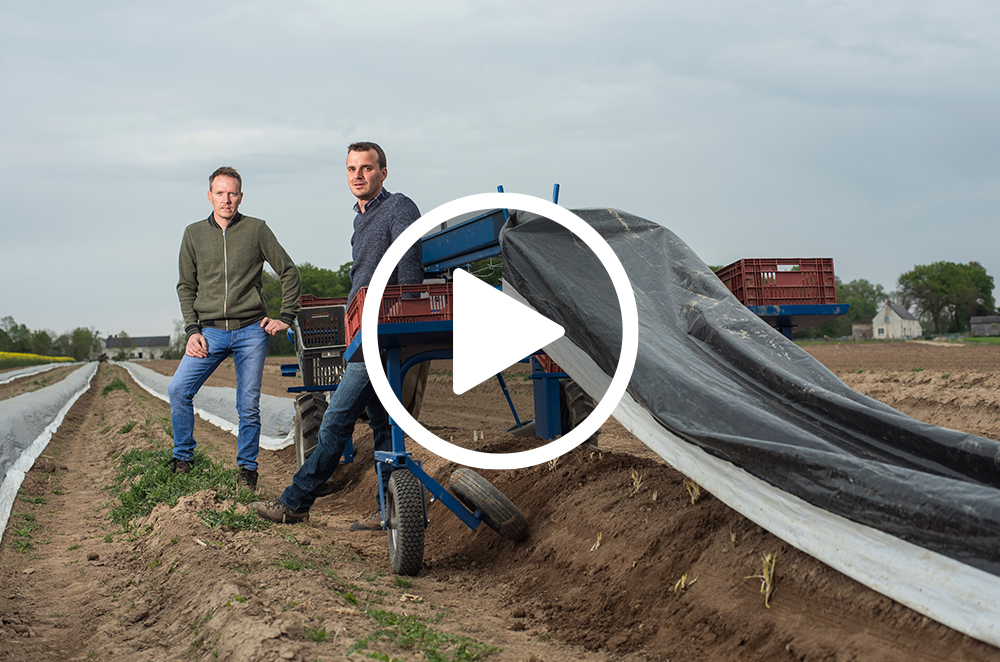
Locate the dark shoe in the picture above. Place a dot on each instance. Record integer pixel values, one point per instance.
(247, 479)
(276, 511)
(373, 523)
(180, 466)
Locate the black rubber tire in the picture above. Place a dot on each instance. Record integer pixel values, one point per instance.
(404, 510)
(574, 407)
(309, 410)
(499, 513)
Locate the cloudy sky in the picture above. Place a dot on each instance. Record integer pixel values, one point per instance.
(860, 130)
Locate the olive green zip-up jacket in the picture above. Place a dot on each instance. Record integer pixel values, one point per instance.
(220, 274)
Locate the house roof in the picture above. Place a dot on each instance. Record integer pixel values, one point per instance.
(993, 319)
(138, 341)
(902, 312)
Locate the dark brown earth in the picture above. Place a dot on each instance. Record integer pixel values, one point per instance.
(158, 593)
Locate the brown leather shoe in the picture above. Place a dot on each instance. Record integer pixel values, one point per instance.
(180, 466)
(276, 511)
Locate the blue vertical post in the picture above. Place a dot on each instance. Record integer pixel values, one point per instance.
(500, 190)
(555, 194)
(548, 421)
(394, 374)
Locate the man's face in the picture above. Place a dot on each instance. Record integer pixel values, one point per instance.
(363, 174)
(225, 197)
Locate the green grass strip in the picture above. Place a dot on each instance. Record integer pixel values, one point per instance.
(413, 633)
(143, 478)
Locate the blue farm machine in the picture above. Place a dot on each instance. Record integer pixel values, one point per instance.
(415, 327)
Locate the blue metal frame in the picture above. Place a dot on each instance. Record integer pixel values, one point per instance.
(457, 246)
(548, 422)
(787, 318)
(395, 370)
(463, 243)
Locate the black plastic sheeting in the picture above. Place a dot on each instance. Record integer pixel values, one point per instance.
(717, 376)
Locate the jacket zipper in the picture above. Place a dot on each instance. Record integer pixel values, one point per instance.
(225, 262)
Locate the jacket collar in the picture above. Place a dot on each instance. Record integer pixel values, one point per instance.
(236, 219)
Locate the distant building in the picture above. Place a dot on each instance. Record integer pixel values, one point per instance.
(894, 322)
(861, 331)
(145, 348)
(985, 326)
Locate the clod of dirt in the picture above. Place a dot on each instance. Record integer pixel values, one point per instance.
(93, 556)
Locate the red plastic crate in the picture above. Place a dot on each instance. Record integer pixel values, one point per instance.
(428, 302)
(761, 282)
(548, 365)
(309, 301)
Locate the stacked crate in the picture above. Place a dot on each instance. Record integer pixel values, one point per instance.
(320, 340)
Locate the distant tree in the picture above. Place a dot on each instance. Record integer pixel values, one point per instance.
(178, 342)
(83, 343)
(325, 283)
(63, 345)
(125, 347)
(18, 335)
(41, 342)
(947, 294)
(865, 300)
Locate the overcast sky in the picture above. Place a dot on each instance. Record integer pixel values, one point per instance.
(859, 130)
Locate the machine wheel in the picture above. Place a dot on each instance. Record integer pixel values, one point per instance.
(309, 410)
(576, 405)
(498, 511)
(414, 385)
(404, 509)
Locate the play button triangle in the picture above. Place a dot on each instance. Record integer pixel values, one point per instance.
(492, 331)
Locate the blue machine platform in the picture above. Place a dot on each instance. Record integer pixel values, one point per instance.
(800, 316)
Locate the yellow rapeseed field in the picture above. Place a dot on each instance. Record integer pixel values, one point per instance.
(18, 359)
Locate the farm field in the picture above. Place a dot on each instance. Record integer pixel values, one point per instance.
(596, 579)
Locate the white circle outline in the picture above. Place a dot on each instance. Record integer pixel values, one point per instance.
(626, 301)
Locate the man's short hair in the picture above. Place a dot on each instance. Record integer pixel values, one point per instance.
(225, 171)
(367, 147)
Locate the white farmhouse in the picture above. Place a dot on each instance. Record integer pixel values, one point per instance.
(894, 322)
(137, 347)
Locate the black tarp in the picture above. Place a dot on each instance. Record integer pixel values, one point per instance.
(717, 376)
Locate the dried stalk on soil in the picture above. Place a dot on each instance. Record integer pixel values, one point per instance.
(693, 490)
(596, 544)
(766, 578)
(683, 583)
(636, 483)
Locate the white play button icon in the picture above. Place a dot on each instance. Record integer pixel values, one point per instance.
(492, 331)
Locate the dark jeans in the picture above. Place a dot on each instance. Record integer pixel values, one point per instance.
(354, 395)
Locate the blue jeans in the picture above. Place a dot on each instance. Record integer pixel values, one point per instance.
(248, 347)
(354, 395)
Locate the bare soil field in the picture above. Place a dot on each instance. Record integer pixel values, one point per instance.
(596, 579)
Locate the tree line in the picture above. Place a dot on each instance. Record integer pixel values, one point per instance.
(944, 296)
(80, 343)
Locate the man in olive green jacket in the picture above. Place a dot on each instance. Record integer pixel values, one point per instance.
(221, 261)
